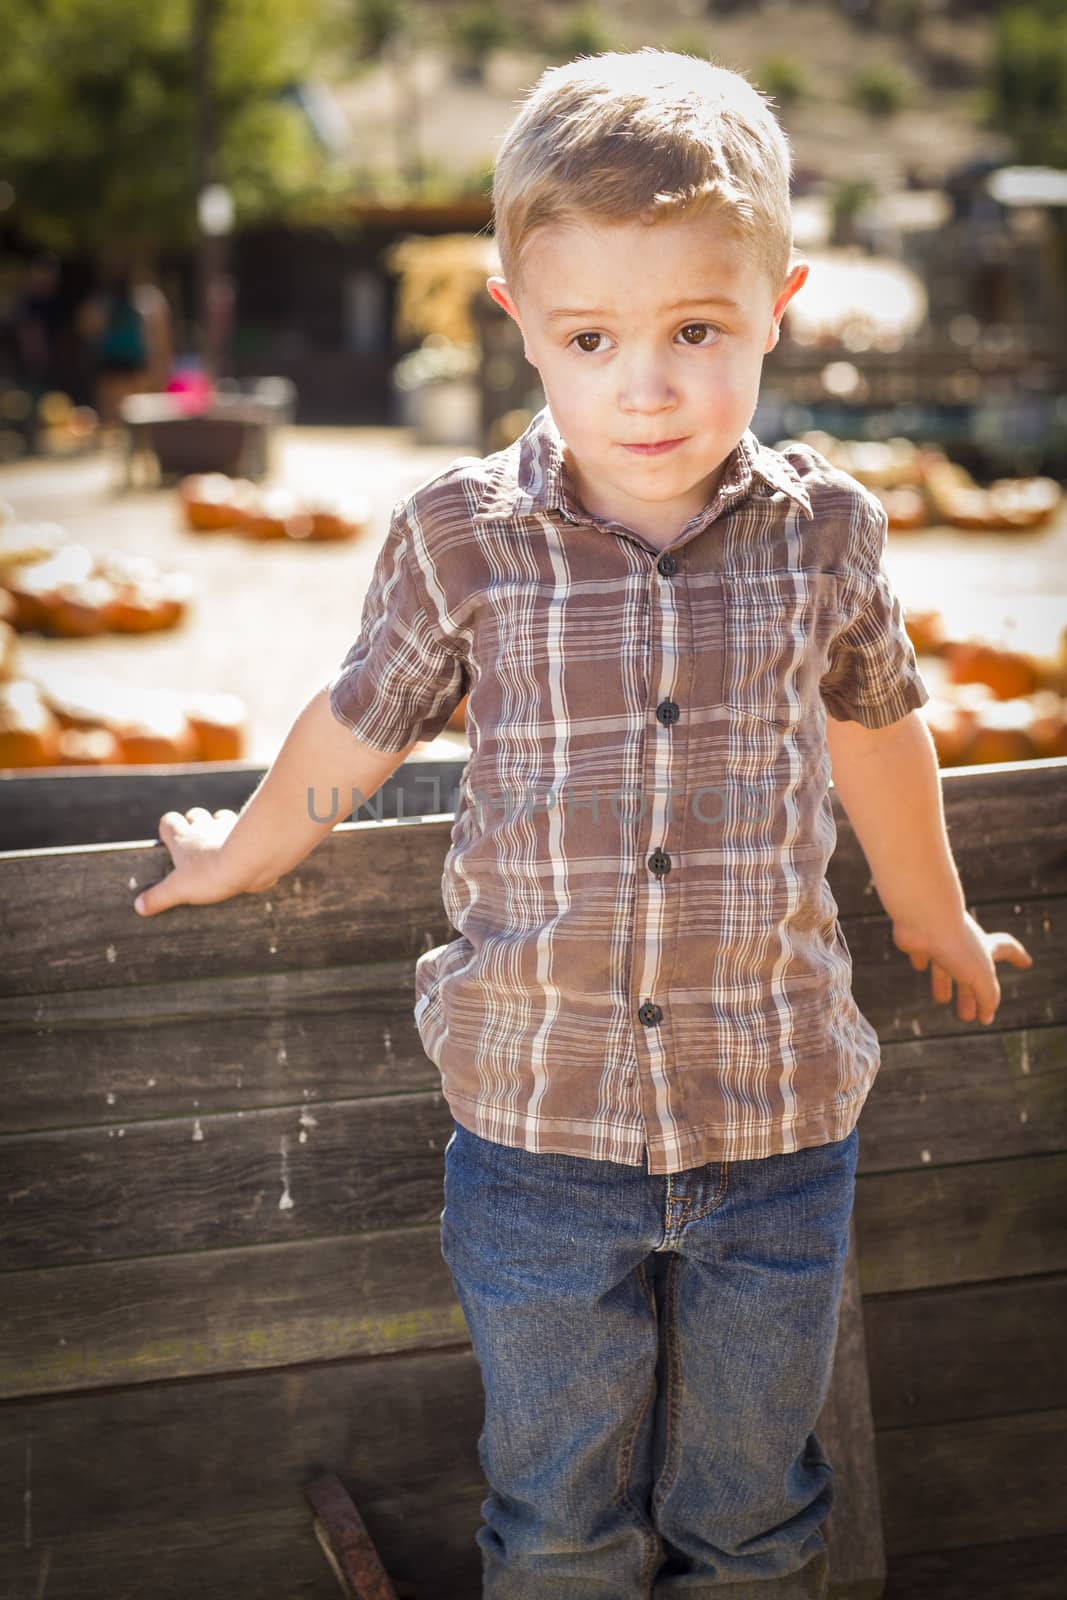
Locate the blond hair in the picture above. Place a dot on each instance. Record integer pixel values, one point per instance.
(647, 132)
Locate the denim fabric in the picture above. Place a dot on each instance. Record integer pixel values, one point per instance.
(655, 1351)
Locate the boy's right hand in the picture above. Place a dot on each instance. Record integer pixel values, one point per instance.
(195, 839)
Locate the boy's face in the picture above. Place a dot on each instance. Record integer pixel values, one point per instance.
(631, 329)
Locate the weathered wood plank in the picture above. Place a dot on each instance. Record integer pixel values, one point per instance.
(43, 810)
(968, 1224)
(214, 1183)
(939, 1101)
(897, 999)
(962, 1162)
(156, 1489)
(391, 871)
(39, 810)
(271, 1558)
(971, 1350)
(1019, 1569)
(370, 891)
(284, 1173)
(983, 1481)
(853, 1530)
(141, 1321)
(933, 1356)
(102, 943)
(150, 1440)
(998, 858)
(115, 1056)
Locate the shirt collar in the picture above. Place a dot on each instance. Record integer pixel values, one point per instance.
(533, 477)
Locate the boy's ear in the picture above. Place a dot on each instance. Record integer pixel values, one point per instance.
(498, 288)
(796, 280)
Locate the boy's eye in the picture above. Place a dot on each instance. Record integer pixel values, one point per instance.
(589, 349)
(699, 329)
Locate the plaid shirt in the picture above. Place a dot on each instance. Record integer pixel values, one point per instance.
(649, 968)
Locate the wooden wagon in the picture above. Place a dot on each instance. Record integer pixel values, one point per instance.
(221, 1161)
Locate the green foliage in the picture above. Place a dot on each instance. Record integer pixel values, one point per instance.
(784, 78)
(1028, 80)
(583, 33)
(880, 89)
(690, 43)
(904, 15)
(377, 23)
(477, 29)
(848, 198)
(475, 183)
(96, 103)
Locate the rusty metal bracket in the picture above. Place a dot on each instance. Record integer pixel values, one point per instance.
(346, 1544)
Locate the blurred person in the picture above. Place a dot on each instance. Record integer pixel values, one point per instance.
(36, 319)
(129, 326)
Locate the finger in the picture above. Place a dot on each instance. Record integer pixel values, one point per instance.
(990, 1000)
(172, 821)
(198, 814)
(159, 897)
(966, 1003)
(1005, 947)
(940, 984)
(919, 960)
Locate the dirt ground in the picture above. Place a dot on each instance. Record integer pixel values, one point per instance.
(271, 622)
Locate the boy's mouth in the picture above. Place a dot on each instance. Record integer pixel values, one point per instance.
(654, 449)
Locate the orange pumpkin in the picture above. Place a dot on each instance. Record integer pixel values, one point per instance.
(29, 733)
(1008, 673)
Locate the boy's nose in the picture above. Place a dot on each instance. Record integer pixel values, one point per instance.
(646, 388)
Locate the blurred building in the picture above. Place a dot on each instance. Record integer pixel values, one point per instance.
(984, 370)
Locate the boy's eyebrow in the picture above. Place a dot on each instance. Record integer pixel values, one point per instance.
(678, 305)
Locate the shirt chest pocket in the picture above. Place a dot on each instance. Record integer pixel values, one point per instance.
(777, 631)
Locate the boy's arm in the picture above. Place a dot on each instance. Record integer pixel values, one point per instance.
(889, 783)
(216, 857)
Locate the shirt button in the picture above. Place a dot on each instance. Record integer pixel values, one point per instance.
(650, 1014)
(667, 712)
(659, 861)
(667, 565)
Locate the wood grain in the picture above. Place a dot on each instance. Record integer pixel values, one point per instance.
(220, 1269)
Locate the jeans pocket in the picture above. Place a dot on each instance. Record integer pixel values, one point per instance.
(449, 1147)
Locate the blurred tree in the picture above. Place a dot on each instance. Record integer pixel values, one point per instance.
(475, 31)
(880, 89)
(384, 31)
(377, 23)
(582, 33)
(690, 42)
(97, 107)
(1027, 94)
(848, 199)
(904, 16)
(783, 77)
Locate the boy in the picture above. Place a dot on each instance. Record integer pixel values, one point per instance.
(645, 1029)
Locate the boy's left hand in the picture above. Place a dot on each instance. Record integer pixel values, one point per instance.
(966, 953)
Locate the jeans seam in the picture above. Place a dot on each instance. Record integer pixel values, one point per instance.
(677, 1217)
(662, 1490)
(719, 1197)
(625, 1464)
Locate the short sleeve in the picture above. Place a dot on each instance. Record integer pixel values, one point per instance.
(400, 681)
(873, 676)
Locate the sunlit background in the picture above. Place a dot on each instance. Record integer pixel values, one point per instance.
(243, 246)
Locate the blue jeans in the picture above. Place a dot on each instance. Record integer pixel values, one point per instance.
(655, 1351)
